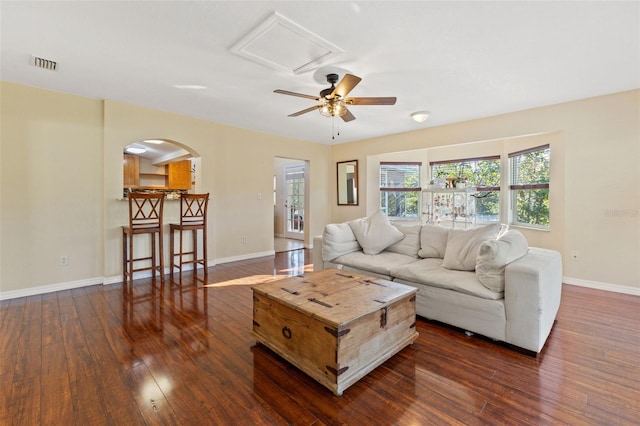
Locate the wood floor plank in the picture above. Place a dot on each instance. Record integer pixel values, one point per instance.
(56, 405)
(28, 352)
(88, 401)
(51, 327)
(12, 327)
(117, 395)
(153, 405)
(185, 355)
(25, 403)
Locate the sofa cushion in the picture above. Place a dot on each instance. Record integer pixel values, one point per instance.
(433, 241)
(410, 244)
(494, 255)
(430, 272)
(380, 263)
(463, 245)
(375, 233)
(338, 239)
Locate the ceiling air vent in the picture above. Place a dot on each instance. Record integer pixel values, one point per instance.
(43, 63)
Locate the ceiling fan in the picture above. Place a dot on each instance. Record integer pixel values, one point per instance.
(334, 100)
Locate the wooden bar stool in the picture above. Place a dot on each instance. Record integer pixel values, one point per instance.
(145, 217)
(193, 217)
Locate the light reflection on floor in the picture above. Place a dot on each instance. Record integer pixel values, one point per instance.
(288, 264)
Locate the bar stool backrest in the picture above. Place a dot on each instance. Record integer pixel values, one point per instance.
(145, 210)
(193, 209)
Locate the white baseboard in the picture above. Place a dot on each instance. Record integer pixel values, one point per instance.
(50, 288)
(246, 256)
(602, 286)
(116, 279)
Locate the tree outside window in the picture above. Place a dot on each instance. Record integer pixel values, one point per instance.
(400, 189)
(529, 175)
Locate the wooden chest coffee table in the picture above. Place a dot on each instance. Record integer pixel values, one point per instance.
(335, 326)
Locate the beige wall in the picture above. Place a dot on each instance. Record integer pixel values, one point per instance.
(595, 204)
(61, 181)
(61, 162)
(51, 188)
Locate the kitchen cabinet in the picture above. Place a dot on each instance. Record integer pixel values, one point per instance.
(131, 170)
(179, 175)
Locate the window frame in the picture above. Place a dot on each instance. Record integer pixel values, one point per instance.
(515, 187)
(387, 189)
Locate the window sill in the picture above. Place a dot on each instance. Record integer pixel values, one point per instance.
(529, 227)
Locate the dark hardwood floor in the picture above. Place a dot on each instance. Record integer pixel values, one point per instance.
(186, 357)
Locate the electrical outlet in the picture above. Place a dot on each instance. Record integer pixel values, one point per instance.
(575, 255)
(245, 239)
(64, 260)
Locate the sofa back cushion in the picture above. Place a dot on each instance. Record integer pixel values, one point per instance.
(410, 244)
(375, 233)
(463, 246)
(433, 241)
(338, 239)
(494, 255)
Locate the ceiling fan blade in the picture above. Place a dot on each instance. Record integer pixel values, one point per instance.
(304, 111)
(371, 101)
(348, 116)
(346, 85)
(300, 95)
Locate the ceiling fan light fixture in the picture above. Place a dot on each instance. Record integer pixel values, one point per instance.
(333, 108)
(420, 116)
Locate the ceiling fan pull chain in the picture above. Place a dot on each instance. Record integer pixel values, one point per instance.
(333, 127)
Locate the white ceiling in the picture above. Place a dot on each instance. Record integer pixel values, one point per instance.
(458, 60)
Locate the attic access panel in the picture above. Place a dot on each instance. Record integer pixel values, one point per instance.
(281, 44)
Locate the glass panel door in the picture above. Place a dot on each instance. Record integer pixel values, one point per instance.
(294, 202)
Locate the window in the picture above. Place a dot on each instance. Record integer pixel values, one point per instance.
(483, 173)
(529, 177)
(400, 189)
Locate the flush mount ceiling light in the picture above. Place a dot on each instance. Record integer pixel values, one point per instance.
(420, 116)
(189, 86)
(135, 150)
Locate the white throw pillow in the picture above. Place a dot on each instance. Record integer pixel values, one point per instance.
(463, 245)
(338, 239)
(410, 244)
(375, 233)
(433, 241)
(495, 255)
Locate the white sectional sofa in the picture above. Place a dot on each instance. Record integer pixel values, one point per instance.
(484, 280)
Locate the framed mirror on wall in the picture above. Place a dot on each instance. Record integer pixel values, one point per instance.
(347, 183)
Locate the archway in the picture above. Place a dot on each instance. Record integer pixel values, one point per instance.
(160, 164)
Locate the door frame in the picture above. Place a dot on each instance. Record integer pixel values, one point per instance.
(280, 163)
